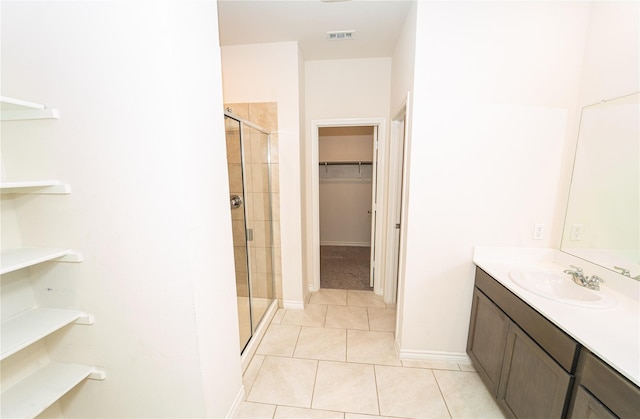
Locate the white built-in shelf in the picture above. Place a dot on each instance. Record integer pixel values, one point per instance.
(16, 109)
(29, 327)
(31, 396)
(14, 259)
(35, 187)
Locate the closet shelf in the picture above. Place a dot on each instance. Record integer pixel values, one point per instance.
(14, 259)
(33, 325)
(31, 396)
(17, 109)
(345, 163)
(35, 187)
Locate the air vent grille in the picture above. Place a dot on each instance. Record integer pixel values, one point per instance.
(340, 35)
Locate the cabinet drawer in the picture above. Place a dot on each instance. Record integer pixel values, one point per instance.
(554, 341)
(616, 392)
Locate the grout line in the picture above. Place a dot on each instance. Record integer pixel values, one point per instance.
(315, 380)
(441, 393)
(375, 378)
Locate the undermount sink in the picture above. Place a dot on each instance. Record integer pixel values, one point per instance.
(559, 287)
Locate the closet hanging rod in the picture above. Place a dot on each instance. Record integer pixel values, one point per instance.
(332, 163)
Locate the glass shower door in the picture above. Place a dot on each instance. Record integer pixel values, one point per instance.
(238, 219)
(248, 159)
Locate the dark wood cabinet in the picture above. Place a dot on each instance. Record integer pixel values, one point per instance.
(606, 387)
(523, 359)
(587, 406)
(533, 368)
(532, 384)
(487, 339)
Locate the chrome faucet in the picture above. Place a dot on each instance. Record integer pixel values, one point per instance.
(593, 282)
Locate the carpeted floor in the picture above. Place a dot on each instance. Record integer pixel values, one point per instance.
(345, 267)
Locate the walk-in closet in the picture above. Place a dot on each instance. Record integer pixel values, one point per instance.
(345, 189)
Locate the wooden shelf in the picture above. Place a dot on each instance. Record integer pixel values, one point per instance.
(33, 325)
(35, 187)
(31, 396)
(14, 259)
(16, 109)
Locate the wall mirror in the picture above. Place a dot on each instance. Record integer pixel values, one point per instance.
(602, 223)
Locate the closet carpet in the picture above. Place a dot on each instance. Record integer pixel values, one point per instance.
(345, 267)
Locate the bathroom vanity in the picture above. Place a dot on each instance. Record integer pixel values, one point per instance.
(542, 358)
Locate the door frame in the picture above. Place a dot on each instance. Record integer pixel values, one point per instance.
(316, 124)
(396, 202)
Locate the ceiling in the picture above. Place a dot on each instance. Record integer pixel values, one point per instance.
(377, 24)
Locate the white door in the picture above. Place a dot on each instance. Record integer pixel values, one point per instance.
(396, 198)
(374, 200)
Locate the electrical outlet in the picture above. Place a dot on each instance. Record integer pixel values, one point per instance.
(538, 232)
(576, 232)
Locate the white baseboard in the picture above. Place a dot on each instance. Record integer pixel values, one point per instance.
(293, 304)
(354, 244)
(418, 355)
(236, 403)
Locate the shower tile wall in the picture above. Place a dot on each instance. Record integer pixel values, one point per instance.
(256, 171)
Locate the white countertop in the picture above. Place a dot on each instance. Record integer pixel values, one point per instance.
(613, 334)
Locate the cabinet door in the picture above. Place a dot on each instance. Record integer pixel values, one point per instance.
(532, 384)
(487, 337)
(588, 407)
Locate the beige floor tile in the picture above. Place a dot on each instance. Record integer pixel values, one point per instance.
(357, 416)
(466, 396)
(250, 410)
(382, 319)
(299, 413)
(280, 340)
(409, 392)
(312, 315)
(329, 297)
(372, 348)
(466, 366)
(433, 365)
(345, 387)
(284, 381)
(364, 299)
(251, 373)
(323, 344)
(345, 317)
(277, 318)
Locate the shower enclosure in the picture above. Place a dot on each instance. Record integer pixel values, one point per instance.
(250, 178)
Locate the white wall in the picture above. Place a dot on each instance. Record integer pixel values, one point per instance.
(494, 101)
(140, 138)
(270, 73)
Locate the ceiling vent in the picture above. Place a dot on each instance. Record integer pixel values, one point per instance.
(340, 35)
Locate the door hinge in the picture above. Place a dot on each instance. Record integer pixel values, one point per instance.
(249, 234)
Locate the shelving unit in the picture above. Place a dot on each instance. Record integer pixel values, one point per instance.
(35, 187)
(37, 391)
(16, 109)
(14, 259)
(33, 325)
(45, 386)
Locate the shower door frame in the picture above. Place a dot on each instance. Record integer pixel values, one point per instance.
(242, 123)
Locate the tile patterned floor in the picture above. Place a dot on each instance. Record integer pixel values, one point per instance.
(337, 359)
